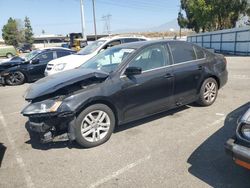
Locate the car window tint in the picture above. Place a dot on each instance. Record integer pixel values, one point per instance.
(199, 52)
(130, 40)
(45, 56)
(62, 53)
(111, 44)
(151, 58)
(182, 52)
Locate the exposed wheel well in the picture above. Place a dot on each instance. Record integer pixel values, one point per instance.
(109, 104)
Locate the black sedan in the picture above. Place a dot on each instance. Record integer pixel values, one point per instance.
(239, 147)
(18, 70)
(120, 85)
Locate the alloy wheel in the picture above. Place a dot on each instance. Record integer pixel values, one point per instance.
(95, 126)
(210, 92)
(16, 78)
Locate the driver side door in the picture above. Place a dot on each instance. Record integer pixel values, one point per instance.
(151, 91)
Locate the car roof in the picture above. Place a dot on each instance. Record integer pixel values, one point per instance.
(122, 37)
(55, 48)
(137, 45)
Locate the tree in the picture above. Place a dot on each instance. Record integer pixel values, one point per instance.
(28, 32)
(208, 15)
(10, 32)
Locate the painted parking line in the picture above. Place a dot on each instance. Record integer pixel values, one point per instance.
(119, 172)
(18, 157)
(240, 77)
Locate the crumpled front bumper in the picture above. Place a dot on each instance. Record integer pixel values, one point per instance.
(50, 127)
(240, 153)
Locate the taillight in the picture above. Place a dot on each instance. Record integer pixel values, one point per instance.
(225, 60)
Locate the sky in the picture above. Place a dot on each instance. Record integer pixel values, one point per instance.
(64, 16)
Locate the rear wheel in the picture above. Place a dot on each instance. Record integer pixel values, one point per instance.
(208, 92)
(15, 78)
(9, 55)
(94, 125)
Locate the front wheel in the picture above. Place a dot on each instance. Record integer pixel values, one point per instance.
(15, 78)
(208, 92)
(94, 125)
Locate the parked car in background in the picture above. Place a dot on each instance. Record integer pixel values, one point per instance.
(75, 60)
(24, 48)
(239, 146)
(123, 84)
(18, 70)
(7, 51)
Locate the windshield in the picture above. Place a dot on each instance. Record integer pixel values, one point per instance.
(32, 54)
(109, 59)
(91, 47)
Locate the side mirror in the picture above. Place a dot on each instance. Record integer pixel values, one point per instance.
(35, 61)
(130, 71)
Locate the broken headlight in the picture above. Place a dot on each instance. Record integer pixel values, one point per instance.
(46, 106)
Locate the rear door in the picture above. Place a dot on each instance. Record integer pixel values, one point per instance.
(151, 91)
(188, 71)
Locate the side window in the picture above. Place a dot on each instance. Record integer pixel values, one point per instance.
(182, 52)
(199, 52)
(111, 44)
(45, 57)
(130, 40)
(62, 53)
(151, 58)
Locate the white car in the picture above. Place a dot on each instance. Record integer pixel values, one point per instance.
(76, 60)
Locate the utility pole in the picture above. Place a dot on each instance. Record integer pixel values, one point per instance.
(107, 26)
(82, 20)
(93, 2)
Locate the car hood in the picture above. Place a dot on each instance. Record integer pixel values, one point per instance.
(55, 82)
(75, 59)
(11, 63)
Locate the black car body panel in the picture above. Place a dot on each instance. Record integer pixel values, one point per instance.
(31, 71)
(239, 147)
(129, 97)
(61, 80)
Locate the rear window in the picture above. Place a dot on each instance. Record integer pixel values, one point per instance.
(182, 52)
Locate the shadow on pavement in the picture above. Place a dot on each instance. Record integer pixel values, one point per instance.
(209, 162)
(36, 144)
(2, 152)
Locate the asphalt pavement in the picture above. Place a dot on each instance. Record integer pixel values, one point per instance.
(179, 148)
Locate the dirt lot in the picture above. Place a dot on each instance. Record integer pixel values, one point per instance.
(180, 148)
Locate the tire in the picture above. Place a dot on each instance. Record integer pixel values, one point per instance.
(15, 78)
(88, 125)
(208, 92)
(9, 55)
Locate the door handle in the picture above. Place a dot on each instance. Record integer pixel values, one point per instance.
(169, 75)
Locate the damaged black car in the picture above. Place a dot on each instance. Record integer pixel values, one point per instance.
(238, 147)
(120, 85)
